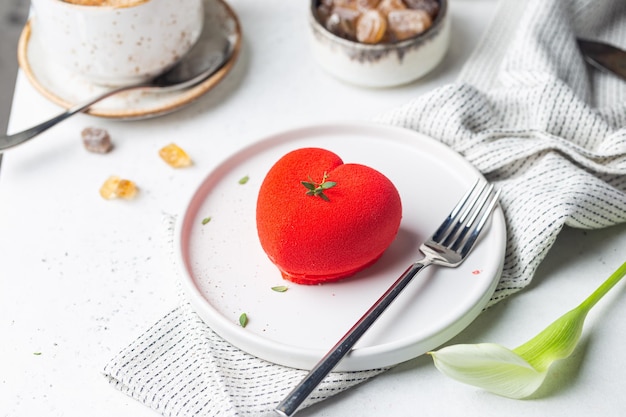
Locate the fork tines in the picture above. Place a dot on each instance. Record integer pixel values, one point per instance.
(462, 227)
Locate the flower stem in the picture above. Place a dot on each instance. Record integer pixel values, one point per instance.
(604, 288)
(559, 339)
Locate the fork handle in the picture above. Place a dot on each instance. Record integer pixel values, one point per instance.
(296, 397)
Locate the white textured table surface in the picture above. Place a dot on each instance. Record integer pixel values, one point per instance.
(81, 277)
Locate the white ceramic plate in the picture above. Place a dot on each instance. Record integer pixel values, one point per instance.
(226, 273)
(67, 89)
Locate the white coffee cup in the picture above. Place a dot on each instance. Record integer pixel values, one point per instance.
(117, 42)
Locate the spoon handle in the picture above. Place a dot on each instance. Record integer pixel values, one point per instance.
(9, 141)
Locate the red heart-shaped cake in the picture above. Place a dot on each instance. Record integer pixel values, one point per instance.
(320, 220)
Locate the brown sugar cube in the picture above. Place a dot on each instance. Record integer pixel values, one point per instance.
(116, 187)
(96, 140)
(351, 4)
(404, 24)
(342, 22)
(386, 6)
(371, 27)
(367, 4)
(175, 156)
(430, 6)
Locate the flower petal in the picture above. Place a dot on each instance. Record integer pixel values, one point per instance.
(491, 367)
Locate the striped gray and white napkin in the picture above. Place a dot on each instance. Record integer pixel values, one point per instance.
(526, 111)
(539, 123)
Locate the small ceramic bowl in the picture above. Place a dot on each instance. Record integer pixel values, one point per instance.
(383, 64)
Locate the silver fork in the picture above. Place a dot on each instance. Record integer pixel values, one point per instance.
(448, 246)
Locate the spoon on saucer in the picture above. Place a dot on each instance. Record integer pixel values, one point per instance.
(199, 64)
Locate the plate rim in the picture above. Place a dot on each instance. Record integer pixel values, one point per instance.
(305, 358)
(179, 100)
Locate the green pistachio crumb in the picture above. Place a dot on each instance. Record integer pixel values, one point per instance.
(243, 320)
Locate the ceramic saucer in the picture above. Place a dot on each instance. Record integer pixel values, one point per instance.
(67, 89)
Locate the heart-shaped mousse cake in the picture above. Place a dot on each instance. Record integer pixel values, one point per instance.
(320, 220)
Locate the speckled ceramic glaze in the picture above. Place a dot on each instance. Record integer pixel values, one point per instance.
(384, 64)
(117, 45)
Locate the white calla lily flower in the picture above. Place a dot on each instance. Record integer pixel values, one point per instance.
(520, 372)
(489, 366)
